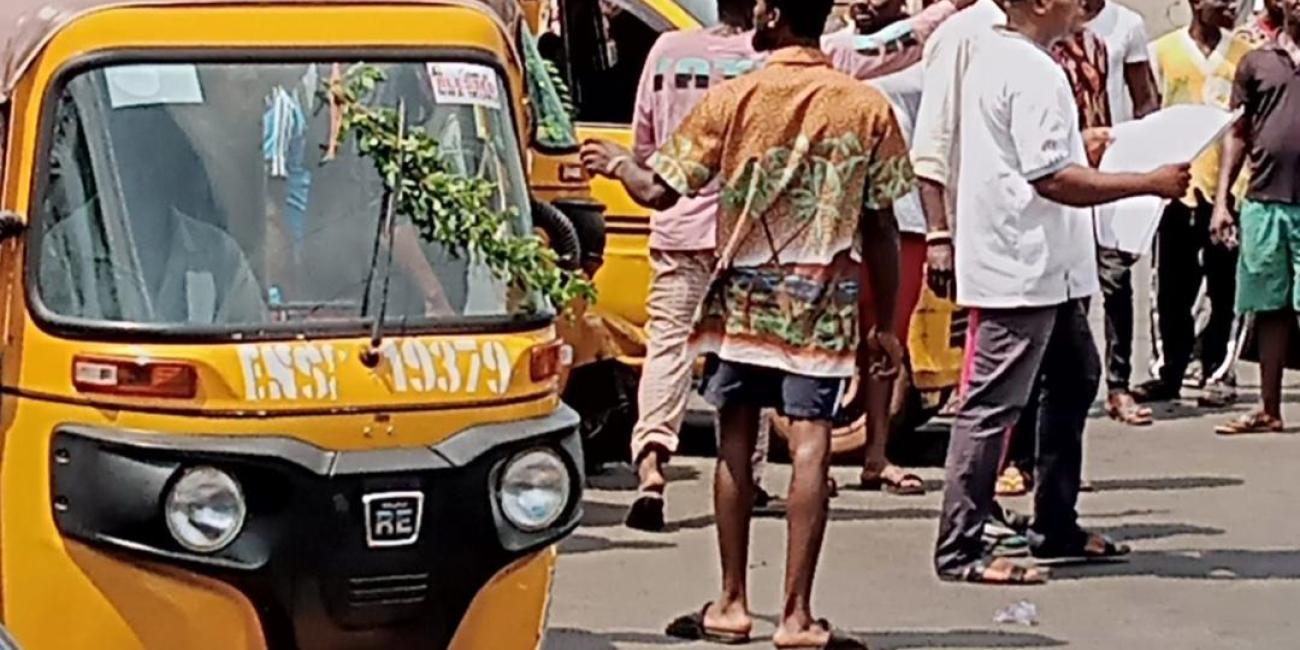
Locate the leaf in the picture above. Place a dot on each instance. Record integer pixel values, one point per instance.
(452, 210)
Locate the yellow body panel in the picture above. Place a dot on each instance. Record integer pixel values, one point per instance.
(63, 594)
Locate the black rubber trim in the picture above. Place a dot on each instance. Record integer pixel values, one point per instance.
(459, 450)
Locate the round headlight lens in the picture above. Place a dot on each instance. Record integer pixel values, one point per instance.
(534, 489)
(205, 509)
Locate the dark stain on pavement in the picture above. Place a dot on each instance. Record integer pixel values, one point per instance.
(579, 543)
(1163, 484)
(1135, 532)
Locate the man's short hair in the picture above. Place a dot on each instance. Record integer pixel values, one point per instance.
(806, 18)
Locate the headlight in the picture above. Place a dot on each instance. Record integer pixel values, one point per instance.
(534, 489)
(205, 509)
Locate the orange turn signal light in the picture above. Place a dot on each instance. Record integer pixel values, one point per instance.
(135, 377)
(547, 360)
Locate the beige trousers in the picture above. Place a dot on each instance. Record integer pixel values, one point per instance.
(678, 282)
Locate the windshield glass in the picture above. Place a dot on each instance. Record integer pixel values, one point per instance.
(551, 103)
(705, 11)
(209, 195)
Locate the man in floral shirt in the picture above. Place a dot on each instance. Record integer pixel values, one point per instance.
(804, 182)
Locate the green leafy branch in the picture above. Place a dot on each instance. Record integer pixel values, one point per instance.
(446, 207)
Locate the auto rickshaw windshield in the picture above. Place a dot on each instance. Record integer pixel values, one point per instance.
(208, 195)
(705, 11)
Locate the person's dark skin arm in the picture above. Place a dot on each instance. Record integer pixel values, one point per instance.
(880, 254)
(642, 184)
(1085, 187)
(1232, 158)
(939, 270)
(1141, 84)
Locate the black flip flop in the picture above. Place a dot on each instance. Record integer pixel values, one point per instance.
(837, 641)
(766, 505)
(646, 513)
(1112, 553)
(896, 488)
(690, 627)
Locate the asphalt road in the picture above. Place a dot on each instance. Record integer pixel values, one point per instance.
(1213, 522)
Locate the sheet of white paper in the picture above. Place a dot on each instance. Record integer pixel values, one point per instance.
(1174, 135)
(149, 84)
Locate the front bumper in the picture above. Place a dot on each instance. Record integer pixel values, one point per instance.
(303, 558)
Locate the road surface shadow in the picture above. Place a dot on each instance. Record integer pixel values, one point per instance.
(571, 639)
(621, 477)
(1122, 514)
(598, 514)
(1139, 532)
(578, 544)
(1163, 484)
(901, 639)
(836, 514)
(1224, 565)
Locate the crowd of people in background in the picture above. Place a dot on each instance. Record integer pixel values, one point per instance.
(806, 185)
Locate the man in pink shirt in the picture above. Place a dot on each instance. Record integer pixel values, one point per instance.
(680, 69)
(882, 39)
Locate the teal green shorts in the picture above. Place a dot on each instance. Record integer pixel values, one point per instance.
(1268, 269)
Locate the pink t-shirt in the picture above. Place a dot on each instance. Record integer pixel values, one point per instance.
(680, 69)
(889, 50)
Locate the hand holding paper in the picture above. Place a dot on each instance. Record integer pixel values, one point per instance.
(1174, 136)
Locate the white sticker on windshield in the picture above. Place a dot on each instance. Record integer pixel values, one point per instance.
(150, 84)
(465, 84)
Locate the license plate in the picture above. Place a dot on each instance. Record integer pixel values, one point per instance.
(393, 518)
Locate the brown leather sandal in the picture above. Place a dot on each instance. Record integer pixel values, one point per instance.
(1257, 422)
(1123, 408)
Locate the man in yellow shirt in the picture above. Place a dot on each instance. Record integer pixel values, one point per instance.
(1194, 65)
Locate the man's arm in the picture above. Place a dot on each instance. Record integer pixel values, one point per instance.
(880, 254)
(1138, 75)
(893, 48)
(642, 183)
(939, 262)
(936, 121)
(1084, 187)
(1232, 158)
(1141, 82)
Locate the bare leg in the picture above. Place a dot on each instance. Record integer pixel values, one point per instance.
(649, 470)
(733, 498)
(1273, 330)
(807, 505)
(880, 394)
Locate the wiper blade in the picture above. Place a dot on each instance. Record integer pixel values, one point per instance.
(385, 231)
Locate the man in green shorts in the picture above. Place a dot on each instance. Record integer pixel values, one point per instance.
(1267, 87)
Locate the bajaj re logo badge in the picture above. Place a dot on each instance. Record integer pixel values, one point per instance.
(393, 518)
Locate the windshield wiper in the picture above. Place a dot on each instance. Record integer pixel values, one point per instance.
(385, 230)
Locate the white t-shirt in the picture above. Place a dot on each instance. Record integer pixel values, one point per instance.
(1016, 248)
(946, 54)
(903, 90)
(1126, 39)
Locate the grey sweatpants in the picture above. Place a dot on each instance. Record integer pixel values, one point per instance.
(1006, 349)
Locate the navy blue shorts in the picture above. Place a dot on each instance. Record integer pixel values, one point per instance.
(798, 397)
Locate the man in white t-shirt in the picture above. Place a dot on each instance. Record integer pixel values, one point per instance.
(1131, 85)
(1026, 268)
